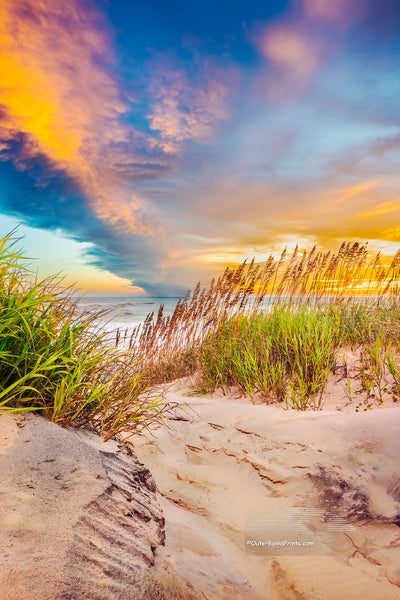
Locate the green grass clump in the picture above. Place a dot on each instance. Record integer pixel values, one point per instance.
(287, 355)
(284, 353)
(55, 361)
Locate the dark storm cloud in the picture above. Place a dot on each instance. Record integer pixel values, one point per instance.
(42, 195)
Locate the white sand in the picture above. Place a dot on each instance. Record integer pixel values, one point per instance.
(79, 519)
(230, 462)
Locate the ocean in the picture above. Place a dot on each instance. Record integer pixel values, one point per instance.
(125, 312)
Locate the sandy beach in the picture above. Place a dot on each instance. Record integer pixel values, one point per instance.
(78, 517)
(83, 520)
(225, 463)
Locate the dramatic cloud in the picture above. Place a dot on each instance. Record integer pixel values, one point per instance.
(48, 198)
(66, 130)
(170, 157)
(56, 89)
(51, 75)
(61, 130)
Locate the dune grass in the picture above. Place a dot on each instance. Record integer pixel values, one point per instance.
(279, 329)
(288, 355)
(55, 361)
(276, 354)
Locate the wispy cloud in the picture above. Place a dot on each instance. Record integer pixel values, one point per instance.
(50, 52)
(74, 160)
(66, 128)
(47, 197)
(186, 110)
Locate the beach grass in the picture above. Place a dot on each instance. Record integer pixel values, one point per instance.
(275, 331)
(54, 360)
(288, 355)
(279, 329)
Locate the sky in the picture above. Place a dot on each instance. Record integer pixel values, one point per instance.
(146, 145)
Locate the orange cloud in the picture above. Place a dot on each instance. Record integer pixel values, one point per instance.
(55, 89)
(129, 210)
(356, 190)
(48, 55)
(392, 234)
(383, 209)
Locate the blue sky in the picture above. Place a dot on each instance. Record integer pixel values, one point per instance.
(144, 146)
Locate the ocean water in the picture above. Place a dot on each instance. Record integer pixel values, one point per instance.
(125, 312)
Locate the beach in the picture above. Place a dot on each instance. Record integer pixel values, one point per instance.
(224, 471)
(241, 453)
(225, 463)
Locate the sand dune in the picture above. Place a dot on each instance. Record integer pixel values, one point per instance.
(81, 520)
(225, 463)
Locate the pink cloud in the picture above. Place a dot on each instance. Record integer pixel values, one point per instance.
(291, 51)
(187, 111)
(341, 12)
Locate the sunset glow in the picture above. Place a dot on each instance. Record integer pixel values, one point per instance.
(170, 140)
